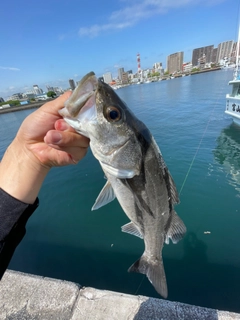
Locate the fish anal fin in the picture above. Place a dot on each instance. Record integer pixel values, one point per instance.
(154, 270)
(105, 196)
(131, 228)
(176, 230)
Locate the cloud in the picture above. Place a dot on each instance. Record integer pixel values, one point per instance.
(137, 10)
(9, 68)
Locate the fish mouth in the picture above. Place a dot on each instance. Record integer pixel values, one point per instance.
(82, 97)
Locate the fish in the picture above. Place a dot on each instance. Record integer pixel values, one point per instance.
(135, 171)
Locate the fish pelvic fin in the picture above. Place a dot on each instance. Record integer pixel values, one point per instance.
(154, 270)
(176, 230)
(105, 196)
(131, 228)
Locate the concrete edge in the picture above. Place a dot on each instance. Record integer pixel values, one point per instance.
(25, 296)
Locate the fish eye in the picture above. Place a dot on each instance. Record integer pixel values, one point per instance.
(113, 114)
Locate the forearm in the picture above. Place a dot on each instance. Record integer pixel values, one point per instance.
(20, 175)
(14, 215)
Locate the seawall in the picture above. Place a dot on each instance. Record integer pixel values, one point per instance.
(24, 107)
(24, 296)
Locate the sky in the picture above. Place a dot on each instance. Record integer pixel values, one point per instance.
(50, 42)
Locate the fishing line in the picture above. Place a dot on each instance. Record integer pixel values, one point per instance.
(194, 158)
(195, 155)
(199, 145)
(139, 285)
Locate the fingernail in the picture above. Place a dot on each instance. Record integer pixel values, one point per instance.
(56, 137)
(64, 126)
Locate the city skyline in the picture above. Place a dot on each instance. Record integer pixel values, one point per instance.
(201, 57)
(47, 45)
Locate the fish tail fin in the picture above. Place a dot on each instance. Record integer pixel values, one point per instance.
(155, 273)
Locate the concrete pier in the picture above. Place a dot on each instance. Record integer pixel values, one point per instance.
(24, 296)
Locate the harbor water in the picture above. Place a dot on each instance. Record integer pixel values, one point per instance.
(201, 147)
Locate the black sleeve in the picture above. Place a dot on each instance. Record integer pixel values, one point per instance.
(14, 215)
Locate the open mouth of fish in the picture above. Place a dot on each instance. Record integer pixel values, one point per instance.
(80, 106)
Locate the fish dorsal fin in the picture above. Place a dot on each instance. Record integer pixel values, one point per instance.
(173, 190)
(118, 173)
(132, 229)
(105, 196)
(176, 230)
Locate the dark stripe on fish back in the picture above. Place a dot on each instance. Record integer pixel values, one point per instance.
(168, 185)
(144, 137)
(137, 187)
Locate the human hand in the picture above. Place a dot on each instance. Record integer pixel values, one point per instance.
(46, 136)
(43, 140)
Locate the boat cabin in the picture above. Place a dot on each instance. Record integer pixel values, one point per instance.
(235, 88)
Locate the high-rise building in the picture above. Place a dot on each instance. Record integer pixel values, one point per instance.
(199, 54)
(214, 55)
(175, 62)
(125, 78)
(36, 89)
(72, 84)
(120, 73)
(234, 52)
(107, 77)
(157, 67)
(1, 99)
(49, 88)
(17, 96)
(57, 90)
(224, 50)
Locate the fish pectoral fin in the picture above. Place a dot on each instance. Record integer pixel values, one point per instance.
(132, 229)
(176, 230)
(154, 270)
(118, 173)
(105, 196)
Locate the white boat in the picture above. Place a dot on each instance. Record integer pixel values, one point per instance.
(227, 152)
(225, 64)
(233, 98)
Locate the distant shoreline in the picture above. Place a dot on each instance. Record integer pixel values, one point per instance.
(194, 72)
(40, 103)
(206, 70)
(24, 107)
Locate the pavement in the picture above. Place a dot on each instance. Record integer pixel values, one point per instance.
(25, 296)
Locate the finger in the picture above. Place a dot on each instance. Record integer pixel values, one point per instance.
(62, 125)
(64, 140)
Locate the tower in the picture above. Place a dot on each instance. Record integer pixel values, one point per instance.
(36, 89)
(139, 63)
(72, 84)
